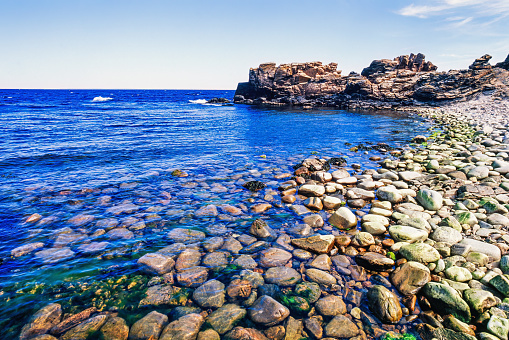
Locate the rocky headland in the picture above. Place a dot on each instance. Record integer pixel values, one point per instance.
(406, 81)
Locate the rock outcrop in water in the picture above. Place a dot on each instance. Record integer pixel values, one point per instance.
(385, 84)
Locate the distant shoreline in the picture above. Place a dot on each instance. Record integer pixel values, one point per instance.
(404, 83)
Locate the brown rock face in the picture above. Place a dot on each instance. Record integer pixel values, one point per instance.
(412, 62)
(504, 64)
(385, 84)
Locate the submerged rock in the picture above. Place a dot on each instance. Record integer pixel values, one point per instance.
(42, 321)
(384, 304)
(268, 311)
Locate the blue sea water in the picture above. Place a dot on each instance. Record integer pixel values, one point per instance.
(63, 150)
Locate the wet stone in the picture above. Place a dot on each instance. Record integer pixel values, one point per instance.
(321, 244)
(187, 259)
(210, 295)
(120, 234)
(322, 262)
(321, 277)
(446, 300)
(341, 327)
(246, 262)
(225, 318)
(182, 235)
(274, 257)
(232, 245)
(343, 218)
(410, 277)
(161, 295)
(240, 333)
(419, 252)
(54, 255)
(85, 329)
(156, 263)
(26, 249)
(42, 321)
(192, 277)
(384, 304)
(93, 248)
(81, 220)
(149, 327)
(115, 328)
(374, 261)
(185, 328)
(239, 289)
(330, 305)
(261, 230)
(208, 334)
(268, 311)
(282, 276)
(213, 243)
(215, 259)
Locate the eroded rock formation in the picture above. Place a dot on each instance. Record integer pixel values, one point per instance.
(385, 84)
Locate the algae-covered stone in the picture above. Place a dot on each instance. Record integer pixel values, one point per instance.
(384, 304)
(501, 283)
(458, 274)
(446, 300)
(343, 218)
(401, 233)
(498, 326)
(479, 300)
(419, 252)
(504, 263)
(390, 194)
(451, 222)
(430, 199)
(466, 217)
(482, 247)
(309, 290)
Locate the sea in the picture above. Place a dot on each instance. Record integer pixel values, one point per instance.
(68, 156)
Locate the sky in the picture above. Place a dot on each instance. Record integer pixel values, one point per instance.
(192, 44)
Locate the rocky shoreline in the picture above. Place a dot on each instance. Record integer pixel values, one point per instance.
(402, 83)
(418, 246)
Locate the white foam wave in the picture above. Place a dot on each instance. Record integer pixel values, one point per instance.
(198, 101)
(101, 99)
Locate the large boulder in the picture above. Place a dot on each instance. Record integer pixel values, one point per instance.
(446, 300)
(384, 304)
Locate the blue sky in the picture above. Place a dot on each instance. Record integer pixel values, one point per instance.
(212, 44)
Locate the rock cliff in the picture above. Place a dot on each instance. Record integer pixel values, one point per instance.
(384, 84)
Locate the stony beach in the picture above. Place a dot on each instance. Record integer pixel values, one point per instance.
(413, 248)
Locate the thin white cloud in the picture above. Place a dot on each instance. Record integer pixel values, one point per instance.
(479, 8)
(421, 11)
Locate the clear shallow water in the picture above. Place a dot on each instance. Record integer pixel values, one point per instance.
(62, 154)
